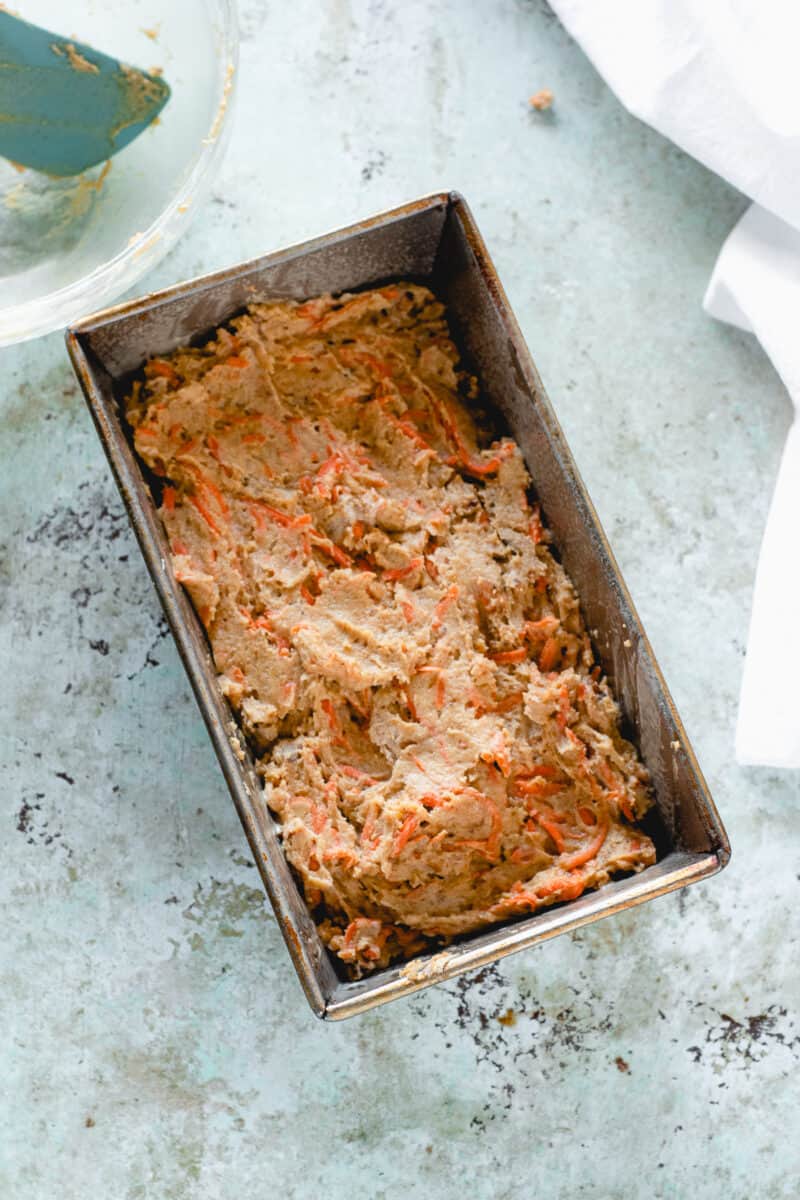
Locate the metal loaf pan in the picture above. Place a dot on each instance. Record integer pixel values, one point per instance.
(435, 240)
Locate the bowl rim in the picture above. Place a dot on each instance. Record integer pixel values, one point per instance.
(73, 301)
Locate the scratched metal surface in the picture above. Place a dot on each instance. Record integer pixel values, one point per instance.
(156, 1043)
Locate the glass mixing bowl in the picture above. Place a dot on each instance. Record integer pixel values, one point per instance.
(70, 246)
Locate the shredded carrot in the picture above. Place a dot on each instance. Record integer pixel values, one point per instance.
(358, 529)
(168, 498)
(442, 606)
(368, 831)
(577, 743)
(340, 852)
(626, 808)
(411, 431)
(508, 703)
(352, 928)
(245, 419)
(157, 366)
(538, 787)
(404, 833)
(253, 439)
(275, 514)
(330, 713)
(541, 628)
(363, 708)
(179, 547)
(563, 889)
(309, 309)
(204, 513)
(545, 770)
(330, 548)
(441, 691)
(331, 466)
(541, 584)
(430, 567)
(307, 595)
(509, 656)
(588, 853)
(359, 357)
(587, 815)
(478, 468)
(402, 572)
(209, 486)
(489, 846)
(144, 432)
(518, 898)
(412, 708)
(549, 655)
(356, 773)
(553, 832)
(263, 622)
(497, 752)
(319, 818)
(237, 360)
(257, 516)
(408, 610)
(442, 744)
(431, 801)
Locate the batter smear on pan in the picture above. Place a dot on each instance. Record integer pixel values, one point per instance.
(404, 652)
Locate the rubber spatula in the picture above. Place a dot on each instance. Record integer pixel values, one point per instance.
(64, 106)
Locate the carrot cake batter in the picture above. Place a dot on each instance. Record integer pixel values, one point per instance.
(405, 653)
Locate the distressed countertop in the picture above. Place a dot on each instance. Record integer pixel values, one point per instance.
(155, 1040)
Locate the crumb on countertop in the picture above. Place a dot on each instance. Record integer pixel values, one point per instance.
(541, 100)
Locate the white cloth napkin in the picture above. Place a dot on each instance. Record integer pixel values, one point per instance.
(720, 78)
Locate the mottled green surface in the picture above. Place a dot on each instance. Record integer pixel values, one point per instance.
(156, 1043)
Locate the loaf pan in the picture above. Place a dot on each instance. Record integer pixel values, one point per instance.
(435, 241)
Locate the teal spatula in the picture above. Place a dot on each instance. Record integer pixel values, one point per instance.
(64, 106)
